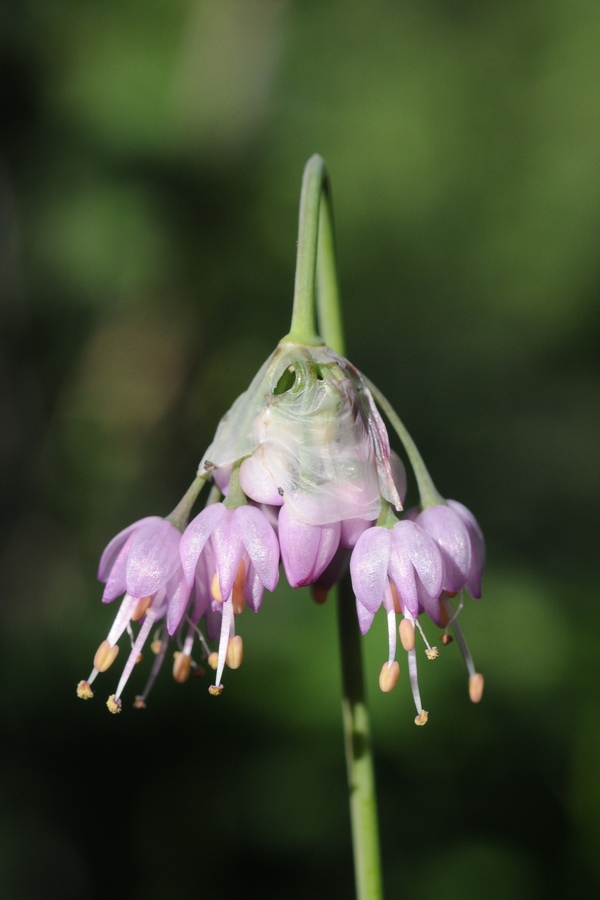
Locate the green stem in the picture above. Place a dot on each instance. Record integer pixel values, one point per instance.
(361, 781)
(180, 515)
(427, 490)
(359, 760)
(314, 183)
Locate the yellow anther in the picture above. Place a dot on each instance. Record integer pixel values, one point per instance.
(139, 703)
(407, 634)
(476, 687)
(235, 652)
(156, 646)
(141, 608)
(237, 595)
(388, 677)
(105, 656)
(114, 704)
(215, 690)
(432, 652)
(421, 719)
(213, 660)
(319, 594)
(446, 639)
(84, 691)
(215, 588)
(182, 666)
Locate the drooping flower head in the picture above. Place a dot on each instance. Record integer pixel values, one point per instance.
(143, 563)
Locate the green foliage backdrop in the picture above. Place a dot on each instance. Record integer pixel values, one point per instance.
(150, 163)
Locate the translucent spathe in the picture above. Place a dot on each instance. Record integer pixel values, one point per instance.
(310, 437)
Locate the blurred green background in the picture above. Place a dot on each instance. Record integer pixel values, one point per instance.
(150, 164)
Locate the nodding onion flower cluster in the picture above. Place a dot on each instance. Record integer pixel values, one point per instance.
(302, 471)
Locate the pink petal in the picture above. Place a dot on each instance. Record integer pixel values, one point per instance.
(473, 583)
(153, 558)
(450, 533)
(261, 543)
(196, 535)
(306, 550)
(113, 548)
(229, 551)
(257, 482)
(178, 595)
(365, 618)
(369, 566)
(116, 583)
(424, 555)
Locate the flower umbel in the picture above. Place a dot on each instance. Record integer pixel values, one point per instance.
(302, 473)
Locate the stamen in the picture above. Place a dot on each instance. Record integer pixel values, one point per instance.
(414, 684)
(182, 667)
(235, 652)
(391, 619)
(215, 589)
(214, 690)
(446, 639)
(460, 638)
(160, 652)
(114, 704)
(105, 656)
(135, 651)
(407, 634)
(227, 626)
(84, 691)
(213, 660)
(432, 653)
(201, 637)
(476, 687)
(237, 595)
(319, 594)
(395, 597)
(141, 608)
(388, 677)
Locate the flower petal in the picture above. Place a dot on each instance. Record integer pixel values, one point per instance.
(153, 558)
(196, 535)
(114, 547)
(450, 533)
(178, 595)
(306, 550)
(260, 542)
(369, 566)
(473, 582)
(229, 551)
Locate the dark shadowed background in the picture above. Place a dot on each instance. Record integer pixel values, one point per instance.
(150, 165)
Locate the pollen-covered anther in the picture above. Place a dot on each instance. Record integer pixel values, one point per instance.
(141, 608)
(84, 691)
(388, 677)
(114, 704)
(319, 594)
(235, 652)
(213, 660)
(105, 656)
(406, 630)
(156, 646)
(182, 666)
(139, 703)
(446, 639)
(421, 719)
(432, 652)
(476, 687)
(215, 689)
